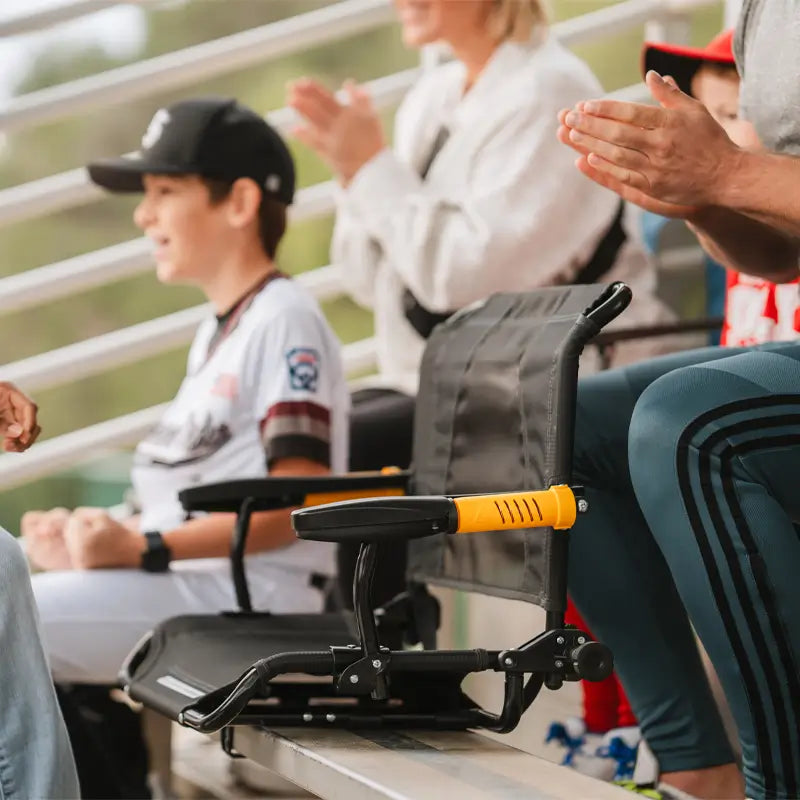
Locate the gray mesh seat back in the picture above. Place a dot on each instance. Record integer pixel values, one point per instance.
(495, 412)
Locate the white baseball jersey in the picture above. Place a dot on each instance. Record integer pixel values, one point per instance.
(263, 382)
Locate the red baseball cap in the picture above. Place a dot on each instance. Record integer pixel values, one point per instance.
(683, 62)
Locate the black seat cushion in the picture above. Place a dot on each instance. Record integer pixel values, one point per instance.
(190, 655)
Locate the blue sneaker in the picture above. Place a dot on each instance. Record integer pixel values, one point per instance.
(621, 745)
(607, 757)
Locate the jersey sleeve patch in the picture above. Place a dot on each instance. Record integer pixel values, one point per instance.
(297, 429)
(303, 364)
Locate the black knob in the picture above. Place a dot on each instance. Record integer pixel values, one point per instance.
(593, 661)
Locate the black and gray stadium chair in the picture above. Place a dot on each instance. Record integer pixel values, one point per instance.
(494, 420)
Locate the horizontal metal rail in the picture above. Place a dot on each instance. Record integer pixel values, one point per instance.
(96, 441)
(193, 64)
(134, 343)
(111, 264)
(73, 188)
(77, 447)
(63, 12)
(612, 20)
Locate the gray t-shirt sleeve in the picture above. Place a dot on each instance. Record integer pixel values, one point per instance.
(767, 51)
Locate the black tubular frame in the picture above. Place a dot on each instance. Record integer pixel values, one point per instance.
(607, 307)
(238, 548)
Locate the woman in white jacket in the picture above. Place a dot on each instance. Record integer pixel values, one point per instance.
(476, 196)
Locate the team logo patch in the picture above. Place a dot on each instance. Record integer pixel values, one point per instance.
(303, 363)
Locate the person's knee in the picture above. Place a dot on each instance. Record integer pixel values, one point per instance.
(659, 419)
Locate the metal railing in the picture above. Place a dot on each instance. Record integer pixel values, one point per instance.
(34, 21)
(72, 188)
(193, 64)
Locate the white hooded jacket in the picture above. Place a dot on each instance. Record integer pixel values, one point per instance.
(502, 208)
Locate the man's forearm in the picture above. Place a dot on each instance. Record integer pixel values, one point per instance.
(763, 186)
(746, 245)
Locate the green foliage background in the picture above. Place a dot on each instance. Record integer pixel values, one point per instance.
(52, 148)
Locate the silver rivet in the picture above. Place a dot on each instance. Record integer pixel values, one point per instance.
(376, 663)
(508, 661)
(581, 640)
(354, 679)
(560, 640)
(330, 717)
(559, 664)
(308, 717)
(583, 505)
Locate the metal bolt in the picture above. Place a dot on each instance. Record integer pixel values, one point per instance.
(308, 717)
(377, 663)
(508, 661)
(559, 664)
(581, 640)
(354, 679)
(330, 717)
(559, 640)
(583, 505)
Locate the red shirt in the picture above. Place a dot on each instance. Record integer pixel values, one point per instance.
(757, 311)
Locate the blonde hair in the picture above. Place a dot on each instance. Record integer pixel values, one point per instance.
(517, 20)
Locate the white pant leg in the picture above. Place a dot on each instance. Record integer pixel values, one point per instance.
(92, 619)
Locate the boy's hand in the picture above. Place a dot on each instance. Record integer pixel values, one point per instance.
(18, 425)
(344, 136)
(675, 154)
(96, 541)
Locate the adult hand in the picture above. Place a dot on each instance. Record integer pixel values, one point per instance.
(43, 538)
(18, 426)
(631, 195)
(96, 541)
(344, 136)
(674, 153)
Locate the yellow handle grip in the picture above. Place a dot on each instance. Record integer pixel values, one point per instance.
(552, 508)
(321, 498)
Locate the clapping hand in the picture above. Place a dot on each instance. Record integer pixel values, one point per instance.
(344, 135)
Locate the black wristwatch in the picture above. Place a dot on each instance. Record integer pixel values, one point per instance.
(157, 556)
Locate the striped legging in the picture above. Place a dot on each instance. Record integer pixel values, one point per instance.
(692, 469)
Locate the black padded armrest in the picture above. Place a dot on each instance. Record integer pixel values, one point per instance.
(284, 492)
(377, 520)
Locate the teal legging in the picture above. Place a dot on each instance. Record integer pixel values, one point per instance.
(692, 469)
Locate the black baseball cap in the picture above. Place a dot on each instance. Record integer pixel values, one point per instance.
(210, 137)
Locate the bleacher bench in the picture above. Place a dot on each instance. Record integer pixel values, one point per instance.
(432, 765)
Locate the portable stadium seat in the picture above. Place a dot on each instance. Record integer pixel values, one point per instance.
(495, 414)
